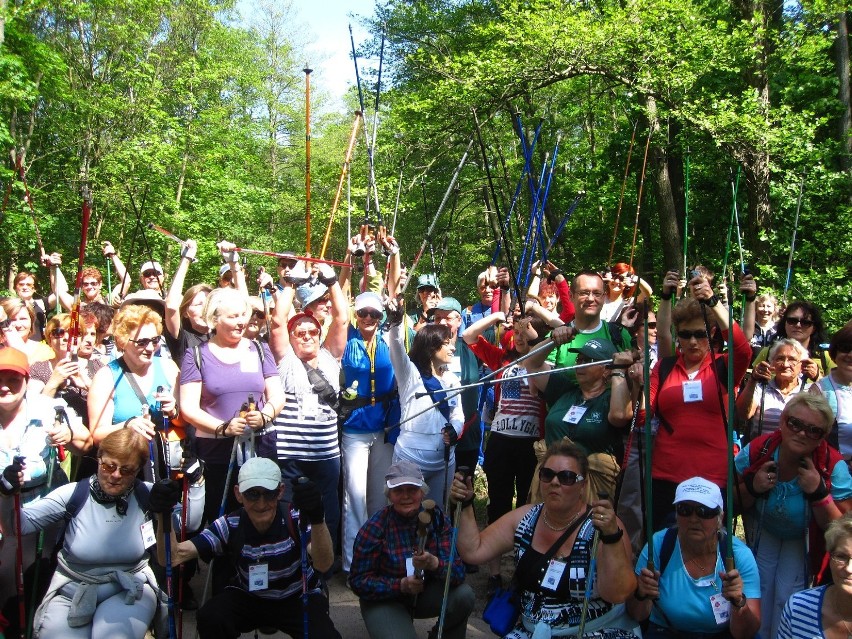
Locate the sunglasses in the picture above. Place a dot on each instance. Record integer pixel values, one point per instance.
(150, 273)
(145, 341)
(90, 284)
(286, 264)
(308, 332)
(652, 325)
(798, 321)
(565, 477)
(256, 494)
(687, 335)
(125, 471)
(258, 315)
(811, 432)
(369, 312)
(703, 512)
(58, 332)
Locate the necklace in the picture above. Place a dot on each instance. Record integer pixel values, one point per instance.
(559, 528)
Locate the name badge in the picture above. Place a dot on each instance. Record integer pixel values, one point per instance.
(250, 363)
(310, 405)
(148, 536)
(258, 577)
(721, 609)
(692, 391)
(575, 414)
(553, 575)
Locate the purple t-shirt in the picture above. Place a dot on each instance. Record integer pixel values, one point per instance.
(226, 387)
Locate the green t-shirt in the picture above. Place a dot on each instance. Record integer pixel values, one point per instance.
(561, 357)
(590, 428)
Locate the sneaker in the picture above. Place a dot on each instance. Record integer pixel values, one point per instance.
(188, 602)
(495, 583)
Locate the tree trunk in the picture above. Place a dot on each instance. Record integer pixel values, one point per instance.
(659, 161)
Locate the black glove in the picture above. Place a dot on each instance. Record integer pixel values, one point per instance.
(451, 433)
(395, 313)
(192, 468)
(307, 499)
(164, 495)
(10, 482)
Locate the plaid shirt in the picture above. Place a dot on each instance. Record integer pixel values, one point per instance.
(384, 543)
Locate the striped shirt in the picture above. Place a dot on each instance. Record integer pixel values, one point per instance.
(802, 615)
(276, 548)
(306, 428)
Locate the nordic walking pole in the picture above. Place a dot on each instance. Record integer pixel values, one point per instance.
(230, 473)
(51, 463)
(19, 559)
(793, 241)
(303, 534)
(649, 499)
(184, 505)
(590, 577)
(465, 471)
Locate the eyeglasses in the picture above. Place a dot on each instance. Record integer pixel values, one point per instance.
(308, 332)
(565, 477)
(145, 341)
(58, 332)
(704, 512)
(368, 312)
(798, 321)
(811, 432)
(258, 315)
(125, 471)
(687, 335)
(90, 284)
(595, 294)
(840, 559)
(256, 494)
(150, 273)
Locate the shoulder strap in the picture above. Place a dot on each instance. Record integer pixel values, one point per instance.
(666, 366)
(78, 499)
(667, 548)
(236, 538)
(432, 385)
(260, 354)
(615, 336)
(142, 494)
(196, 355)
(131, 379)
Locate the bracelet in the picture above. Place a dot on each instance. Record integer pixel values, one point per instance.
(750, 298)
(637, 596)
(666, 296)
(714, 299)
(748, 480)
(221, 428)
(618, 374)
(467, 502)
(819, 494)
(741, 603)
(826, 501)
(614, 538)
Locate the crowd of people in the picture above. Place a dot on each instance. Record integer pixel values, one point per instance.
(321, 427)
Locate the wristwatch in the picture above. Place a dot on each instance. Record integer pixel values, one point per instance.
(741, 603)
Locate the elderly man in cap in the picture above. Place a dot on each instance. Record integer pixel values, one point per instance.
(395, 580)
(263, 541)
(369, 405)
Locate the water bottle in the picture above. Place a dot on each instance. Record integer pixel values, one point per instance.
(351, 393)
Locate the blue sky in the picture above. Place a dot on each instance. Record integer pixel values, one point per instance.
(324, 24)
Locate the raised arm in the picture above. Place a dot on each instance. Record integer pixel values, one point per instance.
(472, 332)
(175, 294)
